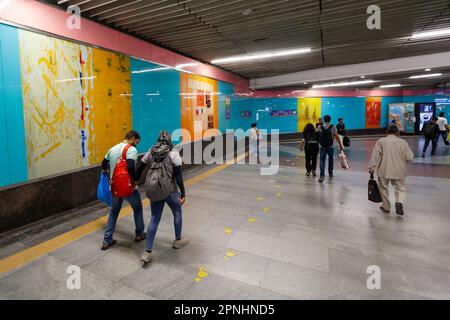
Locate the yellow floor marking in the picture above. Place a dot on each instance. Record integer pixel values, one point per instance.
(228, 231)
(260, 198)
(201, 274)
(266, 210)
(279, 194)
(251, 220)
(39, 250)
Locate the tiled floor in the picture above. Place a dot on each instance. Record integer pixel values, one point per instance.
(268, 237)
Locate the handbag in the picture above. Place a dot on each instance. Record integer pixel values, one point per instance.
(373, 190)
(103, 192)
(344, 161)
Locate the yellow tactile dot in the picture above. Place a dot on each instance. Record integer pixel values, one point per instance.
(228, 231)
(279, 194)
(260, 198)
(266, 210)
(197, 279)
(251, 220)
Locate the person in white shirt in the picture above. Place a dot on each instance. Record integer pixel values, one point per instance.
(443, 127)
(254, 137)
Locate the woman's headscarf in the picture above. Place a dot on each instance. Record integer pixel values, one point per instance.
(162, 147)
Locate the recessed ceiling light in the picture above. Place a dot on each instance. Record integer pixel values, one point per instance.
(261, 56)
(429, 34)
(246, 12)
(427, 70)
(305, 82)
(426, 75)
(362, 77)
(342, 84)
(390, 85)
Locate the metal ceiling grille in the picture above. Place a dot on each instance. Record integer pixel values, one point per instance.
(335, 29)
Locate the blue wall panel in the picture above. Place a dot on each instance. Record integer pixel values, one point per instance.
(155, 101)
(13, 140)
(226, 90)
(352, 110)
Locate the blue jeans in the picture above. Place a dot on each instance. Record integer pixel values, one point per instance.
(444, 135)
(135, 202)
(157, 210)
(323, 156)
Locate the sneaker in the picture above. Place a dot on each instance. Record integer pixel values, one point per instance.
(321, 179)
(384, 210)
(399, 209)
(308, 174)
(314, 174)
(106, 246)
(423, 155)
(177, 244)
(331, 175)
(140, 238)
(147, 257)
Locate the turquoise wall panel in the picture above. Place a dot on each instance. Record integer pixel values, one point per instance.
(12, 110)
(226, 90)
(155, 101)
(352, 110)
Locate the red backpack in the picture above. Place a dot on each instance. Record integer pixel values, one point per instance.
(121, 185)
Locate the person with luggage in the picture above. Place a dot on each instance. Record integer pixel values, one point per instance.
(123, 186)
(163, 179)
(341, 131)
(431, 133)
(327, 133)
(443, 129)
(390, 157)
(311, 146)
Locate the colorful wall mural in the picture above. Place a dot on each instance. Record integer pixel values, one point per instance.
(76, 103)
(309, 111)
(199, 105)
(373, 112)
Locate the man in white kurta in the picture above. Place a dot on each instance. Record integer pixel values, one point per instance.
(389, 159)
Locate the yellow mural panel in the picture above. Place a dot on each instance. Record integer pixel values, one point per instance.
(110, 118)
(309, 111)
(75, 103)
(199, 105)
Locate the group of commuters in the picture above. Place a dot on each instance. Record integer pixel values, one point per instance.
(160, 157)
(432, 130)
(321, 139)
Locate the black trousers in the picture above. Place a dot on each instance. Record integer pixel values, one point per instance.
(433, 144)
(311, 152)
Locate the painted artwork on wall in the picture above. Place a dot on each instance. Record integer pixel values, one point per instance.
(73, 105)
(309, 111)
(402, 115)
(373, 112)
(199, 105)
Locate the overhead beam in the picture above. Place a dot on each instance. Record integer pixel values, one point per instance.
(437, 60)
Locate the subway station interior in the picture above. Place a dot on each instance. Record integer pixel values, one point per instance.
(234, 105)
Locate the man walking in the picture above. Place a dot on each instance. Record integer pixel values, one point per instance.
(132, 138)
(327, 133)
(443, 128)
(431, 133)
(389, 159)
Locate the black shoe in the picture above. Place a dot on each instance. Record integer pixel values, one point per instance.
(321, 179)
(140, 238)
(423, 155)
(399, 209)
(106, 246)
(308, 174)
(331, 175)
(314, 174)
(384, 210)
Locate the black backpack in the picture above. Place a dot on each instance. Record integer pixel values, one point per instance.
(429, 130)
(325, 136)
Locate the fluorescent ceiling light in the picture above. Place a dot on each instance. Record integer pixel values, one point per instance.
(427, 70)
(342, 84)
(151, 70)
(390, 85)
(152, 94)
(260, 56)
(429, 34)
(426, 75)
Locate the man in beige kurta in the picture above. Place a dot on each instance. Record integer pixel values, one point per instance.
(389, 159)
